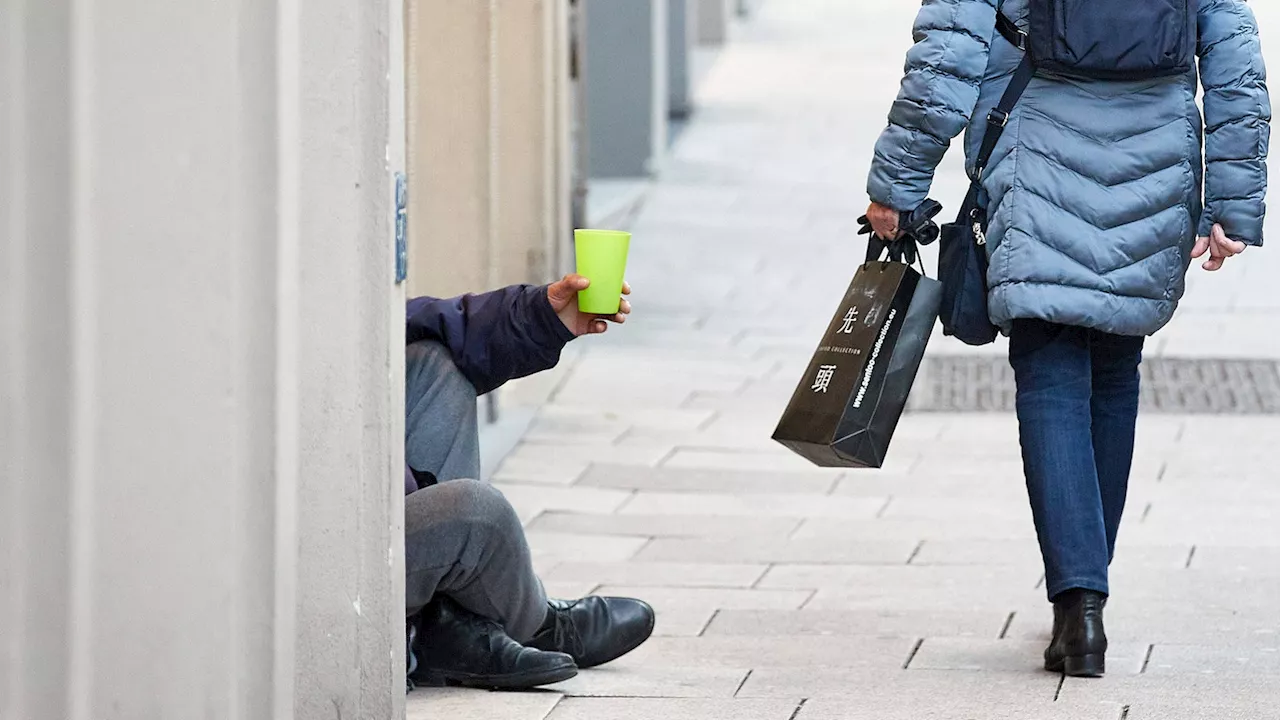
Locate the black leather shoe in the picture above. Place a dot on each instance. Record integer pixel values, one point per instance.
(595, 630)
(1079, 646)
(457, 647)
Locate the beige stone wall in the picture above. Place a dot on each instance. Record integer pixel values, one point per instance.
(488, 143)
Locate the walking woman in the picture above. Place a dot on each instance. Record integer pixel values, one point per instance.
(1104, 185)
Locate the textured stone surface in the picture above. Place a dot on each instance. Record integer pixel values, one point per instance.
(672, 709)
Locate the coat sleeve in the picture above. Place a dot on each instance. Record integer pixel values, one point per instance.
(944, 73)
(1237, 116)
(493, 337)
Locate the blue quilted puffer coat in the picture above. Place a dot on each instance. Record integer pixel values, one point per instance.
(1098, 189)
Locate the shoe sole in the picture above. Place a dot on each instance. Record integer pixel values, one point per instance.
(1083, 666)
(514, 681)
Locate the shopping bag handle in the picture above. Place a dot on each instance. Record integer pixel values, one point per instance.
(916, 228)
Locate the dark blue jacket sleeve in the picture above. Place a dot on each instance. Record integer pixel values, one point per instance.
(493, 337)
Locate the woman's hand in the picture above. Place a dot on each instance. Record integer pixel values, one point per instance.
(1219, 246)
(884, 221)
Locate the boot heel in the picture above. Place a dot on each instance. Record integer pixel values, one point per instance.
(1086, 665)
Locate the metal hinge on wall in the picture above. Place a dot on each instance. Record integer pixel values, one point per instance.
(402, 227)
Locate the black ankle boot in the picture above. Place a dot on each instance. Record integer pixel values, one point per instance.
(457, 647)
(595, 630)
(1079, 646)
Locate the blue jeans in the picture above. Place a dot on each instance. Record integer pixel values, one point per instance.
(1077, 414)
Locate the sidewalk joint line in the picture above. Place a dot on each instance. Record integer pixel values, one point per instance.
(1061, 684)
(912, 656)
(885, 508)
(625, 503)
(743, 683)
(1004, 632)
(1164, 468)
(1151, 649)
(702, 426)
(665, 458)
(812, 594)
(796, 530)
(1146, 512)
(765, 573)
(1191, 557)
(714, 614)
(648, 541)
(553, 707)
(916, 552)
(799, 707)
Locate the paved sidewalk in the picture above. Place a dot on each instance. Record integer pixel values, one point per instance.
(787, 592)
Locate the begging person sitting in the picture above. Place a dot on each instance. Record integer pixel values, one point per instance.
(478, 615)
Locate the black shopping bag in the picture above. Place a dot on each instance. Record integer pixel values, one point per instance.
(848, 404)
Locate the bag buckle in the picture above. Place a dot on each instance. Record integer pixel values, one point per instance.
(998, 118)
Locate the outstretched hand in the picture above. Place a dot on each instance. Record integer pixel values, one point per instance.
(1219, 246)
(564, 300)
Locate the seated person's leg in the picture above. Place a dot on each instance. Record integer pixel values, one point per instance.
(441, 435)
(464, 540)
(467, 564)
(467, 561)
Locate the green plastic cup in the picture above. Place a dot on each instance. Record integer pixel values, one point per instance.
(602, 259)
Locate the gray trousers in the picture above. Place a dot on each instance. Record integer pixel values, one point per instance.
(462, 538)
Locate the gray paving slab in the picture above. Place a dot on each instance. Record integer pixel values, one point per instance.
(980, 654)
(957, 528)
(752, 505)
(1193, 693)
(672, 709)
(660, 525)
(560, 547)
(682, 621)
(537, 498)
(712, 480)
(774, 551)
(1215, 660)
(677, 598)
(957, 707)
(1166, 622)
(669, 574)
(460, 704)
(632, 680)
(938, 686)
(1246, 560)
(863, 653)
(1026, 554)
(531, 471)
(931, 582)
(879, 622)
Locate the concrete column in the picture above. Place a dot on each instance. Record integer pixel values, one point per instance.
(350, 358)
(198, 506)
(713, 20)
(682, 30)
(626, 81)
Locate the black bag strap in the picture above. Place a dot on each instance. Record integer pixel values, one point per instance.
(999, 115)
(1009, 29)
